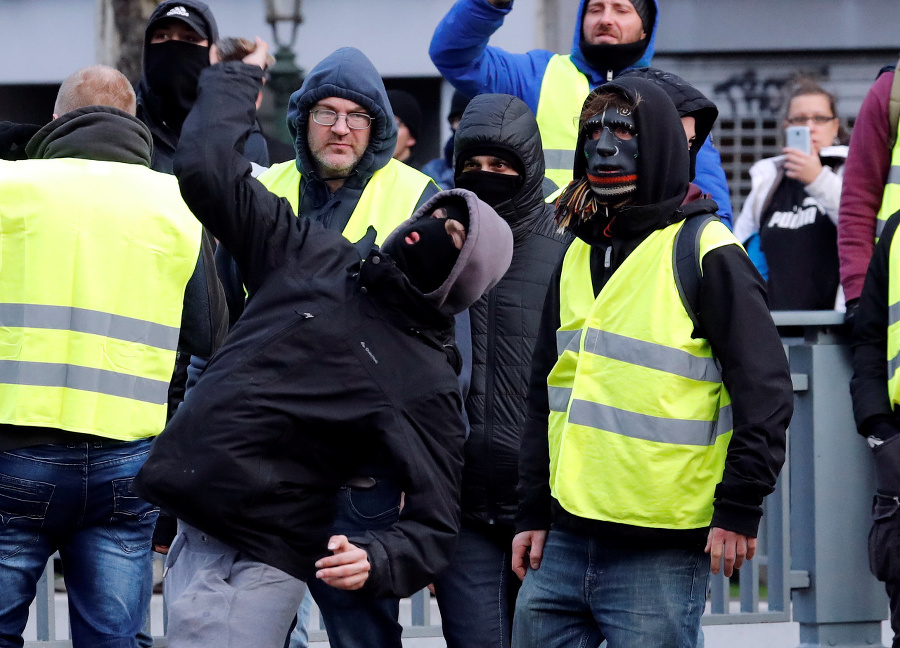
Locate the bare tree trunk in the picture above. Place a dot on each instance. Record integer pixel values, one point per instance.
(121, 25)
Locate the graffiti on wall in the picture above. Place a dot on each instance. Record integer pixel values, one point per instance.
(748, 93)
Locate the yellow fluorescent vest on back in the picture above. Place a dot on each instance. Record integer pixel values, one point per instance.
(92, 281)
(639, 418)
(890, 201)
(563, 91)
(389, 198)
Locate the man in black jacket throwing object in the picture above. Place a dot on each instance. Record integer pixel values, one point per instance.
(334, 358)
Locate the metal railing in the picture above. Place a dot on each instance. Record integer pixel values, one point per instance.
(811, 566)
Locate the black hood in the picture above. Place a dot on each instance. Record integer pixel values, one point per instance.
(689, 102)
(505, 124)
(149, 107)
(663, 166)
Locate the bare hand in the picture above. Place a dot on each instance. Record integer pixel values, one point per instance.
(800, 166)
(530, 544)
(347, 569)
(733, 547)
(258, 55)
(161, 549)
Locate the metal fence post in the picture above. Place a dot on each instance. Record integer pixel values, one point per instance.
(831, 492)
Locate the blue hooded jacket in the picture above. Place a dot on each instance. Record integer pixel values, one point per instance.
(460, 51)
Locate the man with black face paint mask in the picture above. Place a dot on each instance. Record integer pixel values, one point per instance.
(341, 354)
(653, 431)
(610, 36)
(498, 157)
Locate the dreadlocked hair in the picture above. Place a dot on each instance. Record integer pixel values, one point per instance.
(576, 204)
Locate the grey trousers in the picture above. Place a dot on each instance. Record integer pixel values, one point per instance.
(219, 598)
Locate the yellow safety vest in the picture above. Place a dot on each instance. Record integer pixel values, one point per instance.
(890, 201)
(893, 331)
(639, 418)
(390, 197)
(94, 261)
(563, 91)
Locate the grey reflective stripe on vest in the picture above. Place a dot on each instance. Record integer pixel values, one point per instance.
(81, 320)
(101, 381)
(559, 398)
(894, 175)
(567, 341)
(650, 428)
(650, 355)
(559, 159)
(879, 227)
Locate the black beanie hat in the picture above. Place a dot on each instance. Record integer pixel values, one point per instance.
(405, 106)
(647, 11)
(457, 105)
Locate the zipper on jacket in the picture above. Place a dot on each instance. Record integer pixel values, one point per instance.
(489, 368)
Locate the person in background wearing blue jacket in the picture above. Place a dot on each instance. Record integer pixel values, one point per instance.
(610, 36)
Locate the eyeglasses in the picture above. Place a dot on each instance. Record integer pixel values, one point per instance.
(802, 120)
(356, 121)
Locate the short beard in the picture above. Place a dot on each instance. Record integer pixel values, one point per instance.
(327, 172)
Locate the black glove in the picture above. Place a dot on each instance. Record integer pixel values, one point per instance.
(850, 314)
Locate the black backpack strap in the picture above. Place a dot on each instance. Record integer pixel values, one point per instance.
(686, 263)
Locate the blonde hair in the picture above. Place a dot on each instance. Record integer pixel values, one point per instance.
(95, 85)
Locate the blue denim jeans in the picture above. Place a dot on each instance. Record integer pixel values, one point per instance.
(355, 619)
(587, 590)
(477, 591)
(76, 498)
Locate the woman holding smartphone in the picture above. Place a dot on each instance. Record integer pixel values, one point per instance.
(789, 220)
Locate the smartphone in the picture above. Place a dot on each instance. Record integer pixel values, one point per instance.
(798, 137)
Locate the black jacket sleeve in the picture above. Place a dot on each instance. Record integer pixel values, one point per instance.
(204, 317)
(735, 318)
(426, 447)
(868, 387)
(252, 223)
(534, 456)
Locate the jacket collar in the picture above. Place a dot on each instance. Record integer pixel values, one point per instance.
(94, 133)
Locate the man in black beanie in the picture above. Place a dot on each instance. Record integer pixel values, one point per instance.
(176, 50)
(610, 36)
(408, 115)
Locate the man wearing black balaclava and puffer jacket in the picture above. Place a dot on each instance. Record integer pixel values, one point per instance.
(648, 439)
(498, 156)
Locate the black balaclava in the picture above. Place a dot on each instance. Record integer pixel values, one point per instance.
(611, 160)
(427, 262)
(172, 71)
(618, 56)
(492, 188)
